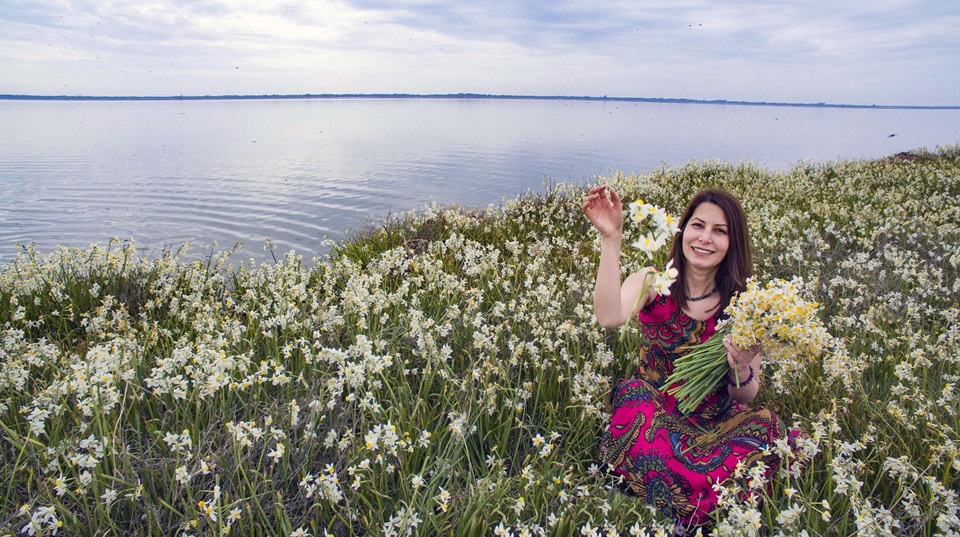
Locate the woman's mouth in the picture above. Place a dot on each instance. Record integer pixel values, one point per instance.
(701, 250)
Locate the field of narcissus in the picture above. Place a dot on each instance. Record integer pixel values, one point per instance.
(442, 372)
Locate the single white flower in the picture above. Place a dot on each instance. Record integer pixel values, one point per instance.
(109, 496)
(181, 475)
(277, 453)
(649, 244)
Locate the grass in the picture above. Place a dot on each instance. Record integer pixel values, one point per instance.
(442, 373)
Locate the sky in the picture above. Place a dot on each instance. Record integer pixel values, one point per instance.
(883, 52)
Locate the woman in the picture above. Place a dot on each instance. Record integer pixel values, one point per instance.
(666, 458)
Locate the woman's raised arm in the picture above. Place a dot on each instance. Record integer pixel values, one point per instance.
(613, 303)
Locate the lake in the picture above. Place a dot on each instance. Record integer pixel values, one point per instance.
(299, 171)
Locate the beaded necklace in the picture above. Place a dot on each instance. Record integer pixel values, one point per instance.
(703, 296)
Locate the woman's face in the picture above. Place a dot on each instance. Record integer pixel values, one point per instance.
(706, 237)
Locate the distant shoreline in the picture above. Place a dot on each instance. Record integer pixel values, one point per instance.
(465, 96)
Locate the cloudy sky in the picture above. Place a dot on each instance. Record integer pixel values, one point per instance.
(887, 52)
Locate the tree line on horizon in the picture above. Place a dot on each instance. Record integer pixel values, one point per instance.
(451, 96)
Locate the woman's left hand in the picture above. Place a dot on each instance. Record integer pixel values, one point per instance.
(744, 370)
(740, 359)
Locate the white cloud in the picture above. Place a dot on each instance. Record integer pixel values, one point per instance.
(864, 52)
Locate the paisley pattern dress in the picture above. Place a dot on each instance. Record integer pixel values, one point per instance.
(669, 460)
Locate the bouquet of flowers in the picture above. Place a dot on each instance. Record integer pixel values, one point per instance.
(773, 316)
(653, 228)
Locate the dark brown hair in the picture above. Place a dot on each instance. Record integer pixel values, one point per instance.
(736, 267)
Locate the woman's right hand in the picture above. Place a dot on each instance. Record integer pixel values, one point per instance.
(605, 211)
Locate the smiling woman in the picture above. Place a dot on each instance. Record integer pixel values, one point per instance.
(670, 457)
(705, 238)
(714, 249)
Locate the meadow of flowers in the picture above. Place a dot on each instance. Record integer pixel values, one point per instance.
(442, 373)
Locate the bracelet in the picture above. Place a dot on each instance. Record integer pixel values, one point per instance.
(742, 383)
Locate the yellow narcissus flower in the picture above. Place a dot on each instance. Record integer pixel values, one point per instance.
(776, 317)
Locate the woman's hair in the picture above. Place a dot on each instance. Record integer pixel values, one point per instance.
(736, 267)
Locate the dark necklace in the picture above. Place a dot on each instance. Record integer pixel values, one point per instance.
(703, 296)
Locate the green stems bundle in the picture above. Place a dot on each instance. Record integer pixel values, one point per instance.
(698, 372)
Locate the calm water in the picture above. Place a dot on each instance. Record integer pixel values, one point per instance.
(297, 171)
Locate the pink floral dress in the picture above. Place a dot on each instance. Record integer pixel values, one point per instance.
(669, 460)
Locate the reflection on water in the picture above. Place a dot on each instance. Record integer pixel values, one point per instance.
(297, 171)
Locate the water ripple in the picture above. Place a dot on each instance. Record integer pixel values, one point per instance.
(166, 173)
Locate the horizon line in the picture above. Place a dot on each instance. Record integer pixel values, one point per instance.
(676, 100)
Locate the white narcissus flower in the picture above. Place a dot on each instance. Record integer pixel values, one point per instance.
(640, 210)
(60, 485)
(207, 509)
(659, 217)
(181, 475)
(670, 272)
(277, 453)
(789, 517)
(109, 496)
(671, 225)
(664, 279)
(649, 244)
